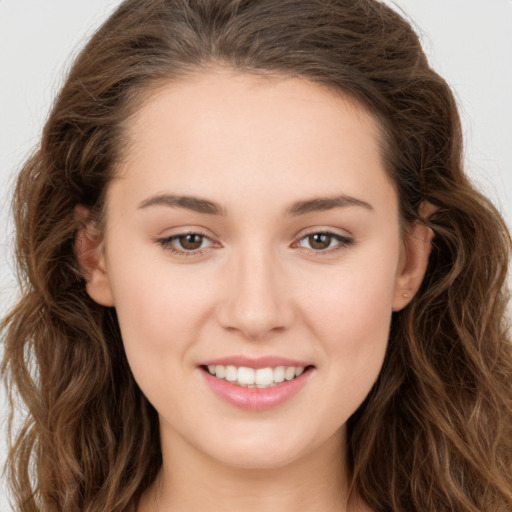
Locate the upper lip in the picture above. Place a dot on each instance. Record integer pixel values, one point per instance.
(255, 362)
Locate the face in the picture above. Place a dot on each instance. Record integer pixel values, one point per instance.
(252, 233)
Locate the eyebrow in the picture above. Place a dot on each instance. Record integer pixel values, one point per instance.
(298, 208)
(195, 204)
(326, 203)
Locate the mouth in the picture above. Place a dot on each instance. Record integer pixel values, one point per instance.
(259, 378)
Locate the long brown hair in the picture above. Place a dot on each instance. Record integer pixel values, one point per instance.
(434, 434)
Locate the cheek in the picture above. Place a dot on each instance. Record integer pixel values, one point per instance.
(355, 299)
(158, 309)
(352, 316)
(355, 327)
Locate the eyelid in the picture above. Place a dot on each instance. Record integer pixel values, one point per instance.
(343, 241)
(320, 228)
(166, 242)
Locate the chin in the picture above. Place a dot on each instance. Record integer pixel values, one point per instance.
(269, 450)
(258, 459)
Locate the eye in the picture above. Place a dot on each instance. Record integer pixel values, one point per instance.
(324, 241)
(186, 244)
(191, 241)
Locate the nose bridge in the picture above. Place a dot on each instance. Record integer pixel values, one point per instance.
(256, 300)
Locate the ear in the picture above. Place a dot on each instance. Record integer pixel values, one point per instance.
(89, 250)
(414, 259)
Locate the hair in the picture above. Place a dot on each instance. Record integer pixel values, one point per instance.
(435, 432)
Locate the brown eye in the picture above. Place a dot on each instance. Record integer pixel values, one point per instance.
(190, 242)
(324, 242)
(319, 241)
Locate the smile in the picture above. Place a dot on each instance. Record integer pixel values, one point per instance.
(255, 378)
(256, 384)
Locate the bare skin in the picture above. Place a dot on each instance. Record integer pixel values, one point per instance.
(252, 217)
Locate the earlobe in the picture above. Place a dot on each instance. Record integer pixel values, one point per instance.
(89, 251)
(414, 260)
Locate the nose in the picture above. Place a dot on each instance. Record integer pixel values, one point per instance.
(256, 300)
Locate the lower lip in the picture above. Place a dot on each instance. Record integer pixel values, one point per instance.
(255, 399)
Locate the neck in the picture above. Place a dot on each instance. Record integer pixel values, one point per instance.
(191, 481)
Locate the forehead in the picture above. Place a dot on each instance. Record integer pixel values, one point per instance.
(210, 96)
(209, 132)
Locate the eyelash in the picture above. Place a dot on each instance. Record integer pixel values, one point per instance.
(167, 242)
(343, 242)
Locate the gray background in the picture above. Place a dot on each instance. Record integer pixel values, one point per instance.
(468, 41)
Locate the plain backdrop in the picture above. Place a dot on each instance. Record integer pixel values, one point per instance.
(468, 41)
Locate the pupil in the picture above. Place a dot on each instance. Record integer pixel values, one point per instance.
(319, 241)
(191, 242)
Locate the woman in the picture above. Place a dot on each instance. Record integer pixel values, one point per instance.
(255, 275)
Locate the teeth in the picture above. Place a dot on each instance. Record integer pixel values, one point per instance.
(231, 373)
(255, 378)
(246, 376)
(264, 377)
(279, 374)
(289, 373)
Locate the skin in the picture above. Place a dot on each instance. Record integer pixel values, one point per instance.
(254, 146)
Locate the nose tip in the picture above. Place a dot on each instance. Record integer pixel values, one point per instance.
(253, 324)
(256, 301)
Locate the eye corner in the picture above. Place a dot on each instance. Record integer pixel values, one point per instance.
(178, 245)
(327, 243)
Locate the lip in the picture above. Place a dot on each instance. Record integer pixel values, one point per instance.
(256, 399)
(255, 362)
